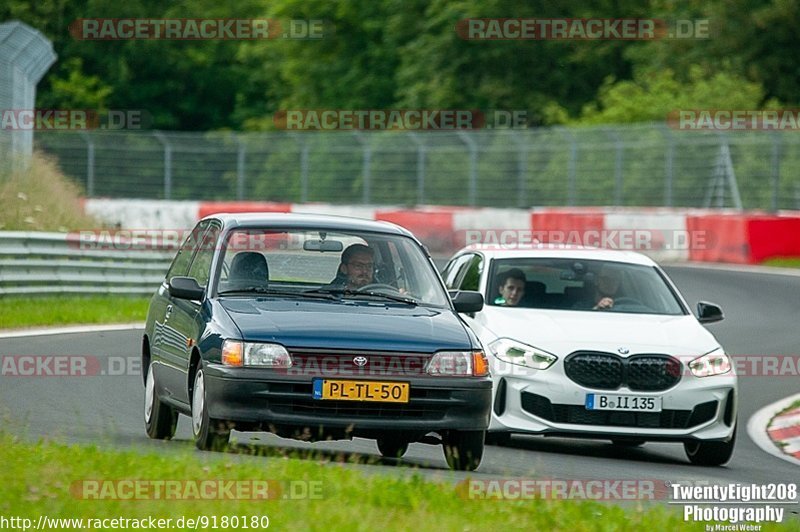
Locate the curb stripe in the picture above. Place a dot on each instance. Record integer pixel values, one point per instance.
(784, 433)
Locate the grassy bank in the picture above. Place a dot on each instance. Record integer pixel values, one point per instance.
(17, 312)
(47, 479)
(783, 262)
(40, 198)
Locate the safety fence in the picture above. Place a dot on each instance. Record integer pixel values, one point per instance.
(636, 165)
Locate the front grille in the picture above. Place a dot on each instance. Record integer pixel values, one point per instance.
(578, 415)
(652, 373)
(338, 363)
(607, 371)
(354, 409)
(595, 370)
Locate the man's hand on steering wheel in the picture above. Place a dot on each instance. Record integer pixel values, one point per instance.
(604, 303)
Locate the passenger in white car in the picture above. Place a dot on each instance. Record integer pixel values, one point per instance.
(511, 285)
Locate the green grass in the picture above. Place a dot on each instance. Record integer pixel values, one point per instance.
(783, 262)
(40, 479)
(16, 311)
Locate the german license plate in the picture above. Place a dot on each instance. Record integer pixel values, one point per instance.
(628, 403)
(384, 392)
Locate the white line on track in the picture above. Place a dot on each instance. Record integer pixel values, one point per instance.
(757, 428)
(75, 329)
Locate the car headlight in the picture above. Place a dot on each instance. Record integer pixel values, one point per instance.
(519, 354)
(238, 353)
(714, 363)
(458, 364)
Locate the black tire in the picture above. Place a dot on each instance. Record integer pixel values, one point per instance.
(209, 434)
(628, 443)
(499, 439)
(160, 420)
(463, 449)
(392, 447)
(710, 453)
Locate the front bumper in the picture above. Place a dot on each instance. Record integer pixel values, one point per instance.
(547, 402)
(260, 398)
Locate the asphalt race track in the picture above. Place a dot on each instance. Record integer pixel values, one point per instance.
(761, 319)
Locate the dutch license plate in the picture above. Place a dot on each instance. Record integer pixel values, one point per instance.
(384, 392)
(628, 403)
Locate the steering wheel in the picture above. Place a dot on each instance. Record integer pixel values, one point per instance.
(631, 304)
(627, 301)
(375, 286)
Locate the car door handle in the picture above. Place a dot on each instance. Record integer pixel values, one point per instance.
(169, 311)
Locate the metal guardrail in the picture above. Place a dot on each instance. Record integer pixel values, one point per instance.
(60, 263)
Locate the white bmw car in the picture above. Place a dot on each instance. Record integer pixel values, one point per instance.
(593, 343)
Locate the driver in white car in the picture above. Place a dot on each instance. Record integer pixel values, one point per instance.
(607, 286)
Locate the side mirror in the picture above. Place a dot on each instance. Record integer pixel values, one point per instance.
(186, 288)
(466, 301)
(709, 312)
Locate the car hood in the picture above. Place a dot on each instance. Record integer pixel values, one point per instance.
(564, 331)
(348, 325)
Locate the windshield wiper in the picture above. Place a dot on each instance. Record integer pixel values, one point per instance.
(368, 293)
(401, 299)
(273, 292)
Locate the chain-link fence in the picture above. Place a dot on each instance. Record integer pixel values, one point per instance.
(25, 55)
(635, 165)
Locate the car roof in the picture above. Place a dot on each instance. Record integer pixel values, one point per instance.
(558, 251)
(284, 220)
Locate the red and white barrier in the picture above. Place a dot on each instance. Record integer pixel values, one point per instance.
(784, 431)
(669, 235)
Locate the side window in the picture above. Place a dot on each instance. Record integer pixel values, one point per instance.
(201, 265)
(472, 278)
(180, 264)
(454, 270)
(389, 268)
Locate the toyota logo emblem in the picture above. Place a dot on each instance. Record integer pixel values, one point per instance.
(360, 361)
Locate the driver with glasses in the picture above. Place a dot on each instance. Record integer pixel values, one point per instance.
(356, 269)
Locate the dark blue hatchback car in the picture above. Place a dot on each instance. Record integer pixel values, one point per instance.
(314, 327)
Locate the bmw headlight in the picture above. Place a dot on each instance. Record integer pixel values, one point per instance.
(714, 363)
(238, 353)
(519, 354)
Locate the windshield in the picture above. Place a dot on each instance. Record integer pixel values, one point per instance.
(578, 284)
(334, 265)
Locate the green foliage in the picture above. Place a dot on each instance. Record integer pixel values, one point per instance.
(76, 89)
(380, 54)
(651, 96)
